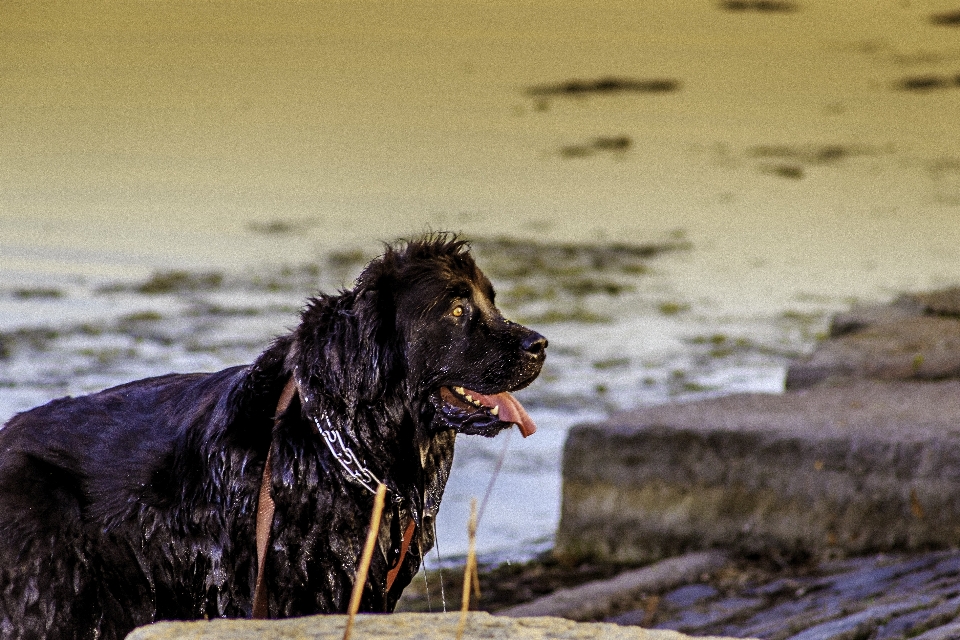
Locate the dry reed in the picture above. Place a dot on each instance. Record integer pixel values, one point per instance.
(361, 579)
(470, 577)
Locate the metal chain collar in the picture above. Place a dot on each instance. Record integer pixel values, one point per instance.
(346, 457)
(343, 454)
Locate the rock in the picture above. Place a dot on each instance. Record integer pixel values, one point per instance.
(943, 302)
(689, 595)
(860, 317)
(916, 337)
(942, 614)
(860, 455)
(855, 468)
(717, 613)
(597, 599)
(401, 626)
(918, 348)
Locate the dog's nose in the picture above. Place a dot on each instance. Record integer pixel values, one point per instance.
(534, 344)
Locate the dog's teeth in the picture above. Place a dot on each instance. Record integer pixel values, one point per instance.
(460, 390)
(469, 397)
(495, 411)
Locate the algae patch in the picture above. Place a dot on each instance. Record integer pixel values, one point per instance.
(559, 282)
(42, 293)
(512, 258)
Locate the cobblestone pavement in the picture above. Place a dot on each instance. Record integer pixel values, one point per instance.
(883, 597)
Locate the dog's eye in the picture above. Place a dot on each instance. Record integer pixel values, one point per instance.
(457, 311)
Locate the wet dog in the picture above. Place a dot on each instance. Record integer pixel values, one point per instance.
(139, 503)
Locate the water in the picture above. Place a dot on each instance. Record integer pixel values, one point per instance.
(791, 159)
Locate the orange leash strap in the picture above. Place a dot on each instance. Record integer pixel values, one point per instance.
(265, 509)
(404, 547)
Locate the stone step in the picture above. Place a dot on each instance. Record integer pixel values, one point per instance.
(838, 469)
(401, 626)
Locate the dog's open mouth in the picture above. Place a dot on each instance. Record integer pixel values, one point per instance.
(481, 412)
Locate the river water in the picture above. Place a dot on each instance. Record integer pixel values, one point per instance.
(175, 178)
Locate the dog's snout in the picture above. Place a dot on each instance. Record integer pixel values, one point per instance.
(534, 344)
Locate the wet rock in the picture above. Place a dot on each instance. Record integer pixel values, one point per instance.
(858, 625)
(875, 597)
(943, 302)
(850, 469)
(880, 597)
(860, 455)
(401, 626)
(900, 626)
(860, 318)
(689, 595)
(946, 632)
(716, 613)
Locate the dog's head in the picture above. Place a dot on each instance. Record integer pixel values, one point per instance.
(430, 328)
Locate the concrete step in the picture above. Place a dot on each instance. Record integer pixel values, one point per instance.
(850, 468)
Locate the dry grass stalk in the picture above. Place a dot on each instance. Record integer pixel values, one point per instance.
(470, 570)
(475, 572)
(361, 579)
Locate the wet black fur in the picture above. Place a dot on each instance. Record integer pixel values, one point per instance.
(138, 503)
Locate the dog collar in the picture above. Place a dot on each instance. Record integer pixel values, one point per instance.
(343, 454)
(356, 471)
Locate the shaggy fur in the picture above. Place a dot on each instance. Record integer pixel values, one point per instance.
(138, 503)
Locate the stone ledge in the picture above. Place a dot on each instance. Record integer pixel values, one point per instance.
(854, 468)
(401, 626)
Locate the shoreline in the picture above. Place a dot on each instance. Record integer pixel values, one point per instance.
(746, 596)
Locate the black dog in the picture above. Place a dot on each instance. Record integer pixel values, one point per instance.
(139, 503)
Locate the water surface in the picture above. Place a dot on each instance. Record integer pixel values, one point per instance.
(809, 158)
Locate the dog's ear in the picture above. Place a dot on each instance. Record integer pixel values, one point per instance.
(345, 351)
(376, 355)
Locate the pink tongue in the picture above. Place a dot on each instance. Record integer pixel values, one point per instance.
(510, 410)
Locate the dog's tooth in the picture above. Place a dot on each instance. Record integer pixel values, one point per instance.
(460, 390)
(469, 397)
(496, 410)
